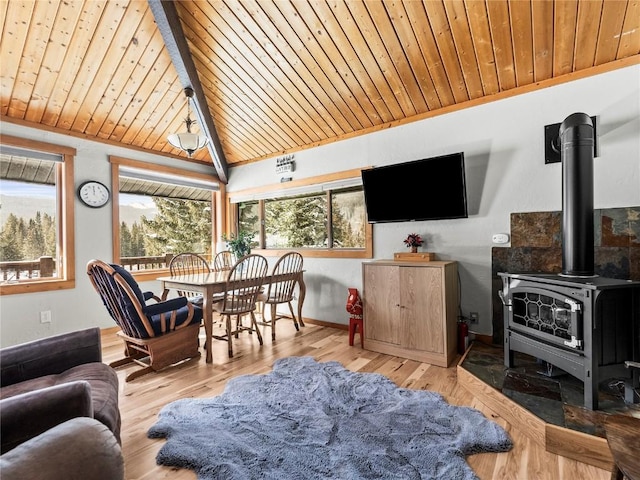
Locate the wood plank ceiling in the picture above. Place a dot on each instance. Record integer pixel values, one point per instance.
(280, 76)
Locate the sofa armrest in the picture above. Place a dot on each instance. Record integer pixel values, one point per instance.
(49, 356)
(29, 414)
(79, 449)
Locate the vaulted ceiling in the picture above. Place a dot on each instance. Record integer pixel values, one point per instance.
(274, 77)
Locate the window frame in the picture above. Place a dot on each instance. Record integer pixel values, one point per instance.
(280, 190)
(65, 205)
(116, 163)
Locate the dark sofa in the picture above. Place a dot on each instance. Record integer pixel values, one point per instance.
(79, 449)
(47, 382)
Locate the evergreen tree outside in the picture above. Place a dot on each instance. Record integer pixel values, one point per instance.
(49, 234)
(249, 220)
(11, 239)
(29, 239)
(348, 219)
(296, 222)
(179, 226)
(137, 241)
(302, 222)
(126, 249)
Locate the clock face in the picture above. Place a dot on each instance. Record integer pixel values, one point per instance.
(93, 194)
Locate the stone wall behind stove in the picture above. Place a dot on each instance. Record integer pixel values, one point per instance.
(536, 247)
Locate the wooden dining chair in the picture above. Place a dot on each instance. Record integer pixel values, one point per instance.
(224, 261)
(289, 266)
(189, 264)
(243, 285)
(156, 333)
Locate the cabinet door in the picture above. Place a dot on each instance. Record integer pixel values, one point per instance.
(421, 310)
(381, 303)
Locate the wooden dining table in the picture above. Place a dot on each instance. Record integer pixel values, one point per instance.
(211, 283)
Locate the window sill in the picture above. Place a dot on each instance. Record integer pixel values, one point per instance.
(316, 252)
(33, 286)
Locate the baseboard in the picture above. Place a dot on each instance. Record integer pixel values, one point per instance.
(109, 330)
(486, 339)
(322, 323)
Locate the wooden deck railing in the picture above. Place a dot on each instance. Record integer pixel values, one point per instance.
(46, 266)
(27, 269)
(146, 263)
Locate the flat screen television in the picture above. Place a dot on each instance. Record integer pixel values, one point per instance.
(428, 189)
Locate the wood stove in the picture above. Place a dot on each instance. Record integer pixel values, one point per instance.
(583, 324)
(587, 327)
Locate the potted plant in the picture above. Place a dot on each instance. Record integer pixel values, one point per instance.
(413, 241)
(239, 244)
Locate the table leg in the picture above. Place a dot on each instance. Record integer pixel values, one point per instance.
(303, 292)
(207, 318)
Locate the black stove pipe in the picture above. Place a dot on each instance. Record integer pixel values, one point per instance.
(577, 141)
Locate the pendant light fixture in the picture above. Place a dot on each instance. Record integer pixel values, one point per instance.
(188, 141)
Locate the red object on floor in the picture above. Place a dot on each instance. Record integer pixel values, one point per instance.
(356, 323)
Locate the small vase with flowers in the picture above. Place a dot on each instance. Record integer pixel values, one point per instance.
(413, 241)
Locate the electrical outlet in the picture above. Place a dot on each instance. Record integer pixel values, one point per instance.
(473, 317)
(45, 316)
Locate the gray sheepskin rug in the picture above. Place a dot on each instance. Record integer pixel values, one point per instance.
(310, 420)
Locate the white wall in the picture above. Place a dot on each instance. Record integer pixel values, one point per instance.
(80, 307)
(503, 142)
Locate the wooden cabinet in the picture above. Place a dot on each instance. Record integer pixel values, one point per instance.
(411, 309)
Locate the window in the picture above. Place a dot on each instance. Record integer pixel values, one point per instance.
(348, 218)
(161, 212)
(297, 222)
(326, 219)
(36, 215)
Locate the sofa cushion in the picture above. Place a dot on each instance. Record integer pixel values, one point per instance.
(79, 449)
(104, 390)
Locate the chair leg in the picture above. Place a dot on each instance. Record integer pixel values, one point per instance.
(254, 323)
(293, 315)
(229, 343)
(274, 312)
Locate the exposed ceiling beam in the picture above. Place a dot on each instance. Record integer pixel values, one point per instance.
(166, 17)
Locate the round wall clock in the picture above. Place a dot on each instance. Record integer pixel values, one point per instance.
(93, 194)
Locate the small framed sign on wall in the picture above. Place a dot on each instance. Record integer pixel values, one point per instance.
(285, 164)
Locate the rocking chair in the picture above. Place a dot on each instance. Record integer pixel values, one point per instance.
(155, 335)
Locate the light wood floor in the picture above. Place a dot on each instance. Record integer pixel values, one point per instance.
(141, 399)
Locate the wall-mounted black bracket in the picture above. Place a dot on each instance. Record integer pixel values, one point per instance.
(552, 142)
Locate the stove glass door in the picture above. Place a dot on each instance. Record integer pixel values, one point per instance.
(548, 315)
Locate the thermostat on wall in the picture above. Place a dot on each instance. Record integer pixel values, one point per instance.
(500, 238)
